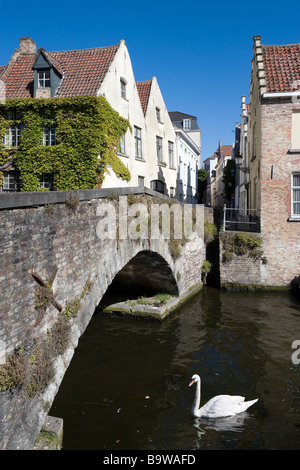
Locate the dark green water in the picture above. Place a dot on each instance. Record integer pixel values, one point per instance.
(127, 385)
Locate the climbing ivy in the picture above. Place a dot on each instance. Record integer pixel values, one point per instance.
(88, 133)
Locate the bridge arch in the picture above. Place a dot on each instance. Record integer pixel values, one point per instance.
(145, 275)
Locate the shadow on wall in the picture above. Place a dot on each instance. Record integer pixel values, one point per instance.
(295, 286)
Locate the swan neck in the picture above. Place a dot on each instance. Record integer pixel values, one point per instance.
(197, 398)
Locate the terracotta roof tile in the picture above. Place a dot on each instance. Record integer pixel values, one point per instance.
(226, 150)
(282, 67)
(82, 71)
(144, 93)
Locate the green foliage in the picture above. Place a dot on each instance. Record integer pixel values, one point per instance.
(86, 128)
(157, 301)
(72, 308)
(229, 178)
(202, 184)
(12, 373)
(242, 244)
(210, 231)
(43, 296)
(33, 370)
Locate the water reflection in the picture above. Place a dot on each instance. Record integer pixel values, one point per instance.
(127, 385)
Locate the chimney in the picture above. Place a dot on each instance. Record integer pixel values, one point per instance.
(27, 46)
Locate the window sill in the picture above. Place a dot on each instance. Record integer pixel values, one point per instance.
(293, 219)
(122, 155)
(294, 151)
(172, 168)
(139, 159)
(164, 165)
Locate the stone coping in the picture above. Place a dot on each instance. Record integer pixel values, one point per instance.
(20, 200)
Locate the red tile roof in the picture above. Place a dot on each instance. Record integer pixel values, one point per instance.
(226, 150)
(282, 67)
(82, 71)
(143, 89)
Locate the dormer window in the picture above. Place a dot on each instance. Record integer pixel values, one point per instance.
(44, 78)
(47, 76)
(186, 124)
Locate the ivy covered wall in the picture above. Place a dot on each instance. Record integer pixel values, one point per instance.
(85, 128)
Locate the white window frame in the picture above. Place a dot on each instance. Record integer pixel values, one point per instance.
(159, 150)
(46, 181)
(297, 200)
(123, 88)
(49, 137)
(43, 78)
(11, 181)
(171, 154)
(12, 137)
(138, 143)
(187, 124)
(158, 114)
(122, 144)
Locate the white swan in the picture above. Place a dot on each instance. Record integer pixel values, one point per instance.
(219, 406)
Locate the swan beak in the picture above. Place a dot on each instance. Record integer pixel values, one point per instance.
(191, 383)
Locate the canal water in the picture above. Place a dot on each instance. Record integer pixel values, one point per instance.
(127, 385)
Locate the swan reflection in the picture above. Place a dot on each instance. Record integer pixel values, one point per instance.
(228, 423)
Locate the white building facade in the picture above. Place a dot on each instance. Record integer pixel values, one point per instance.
(148, 150)
(188, 149)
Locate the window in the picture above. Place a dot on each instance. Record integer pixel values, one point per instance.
(11, 181)
(158, 186)
(172, 192)
(141, 181)
(122, 144)
(296, 130)
(123, 88)
(186, 124)
(49, 137)
(12, 136)
(171, 154)
(138, 142)
(44, 79)
(159, 150)
(254, 141)
(158, 117)
(296, 195)
(46, 181)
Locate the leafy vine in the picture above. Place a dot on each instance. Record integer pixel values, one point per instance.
(88, 132)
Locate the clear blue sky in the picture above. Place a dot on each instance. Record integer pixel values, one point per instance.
(200, 52)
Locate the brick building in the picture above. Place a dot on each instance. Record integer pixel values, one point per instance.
(274, 157)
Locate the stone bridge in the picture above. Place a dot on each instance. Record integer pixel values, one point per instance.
(62, 255)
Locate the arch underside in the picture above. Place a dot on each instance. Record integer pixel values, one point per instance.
(146, 274)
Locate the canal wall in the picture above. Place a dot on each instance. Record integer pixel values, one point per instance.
(249, 261)
(57, 263)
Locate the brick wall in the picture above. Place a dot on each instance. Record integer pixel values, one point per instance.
(242, 271)
(56, 238)
(281, 236)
